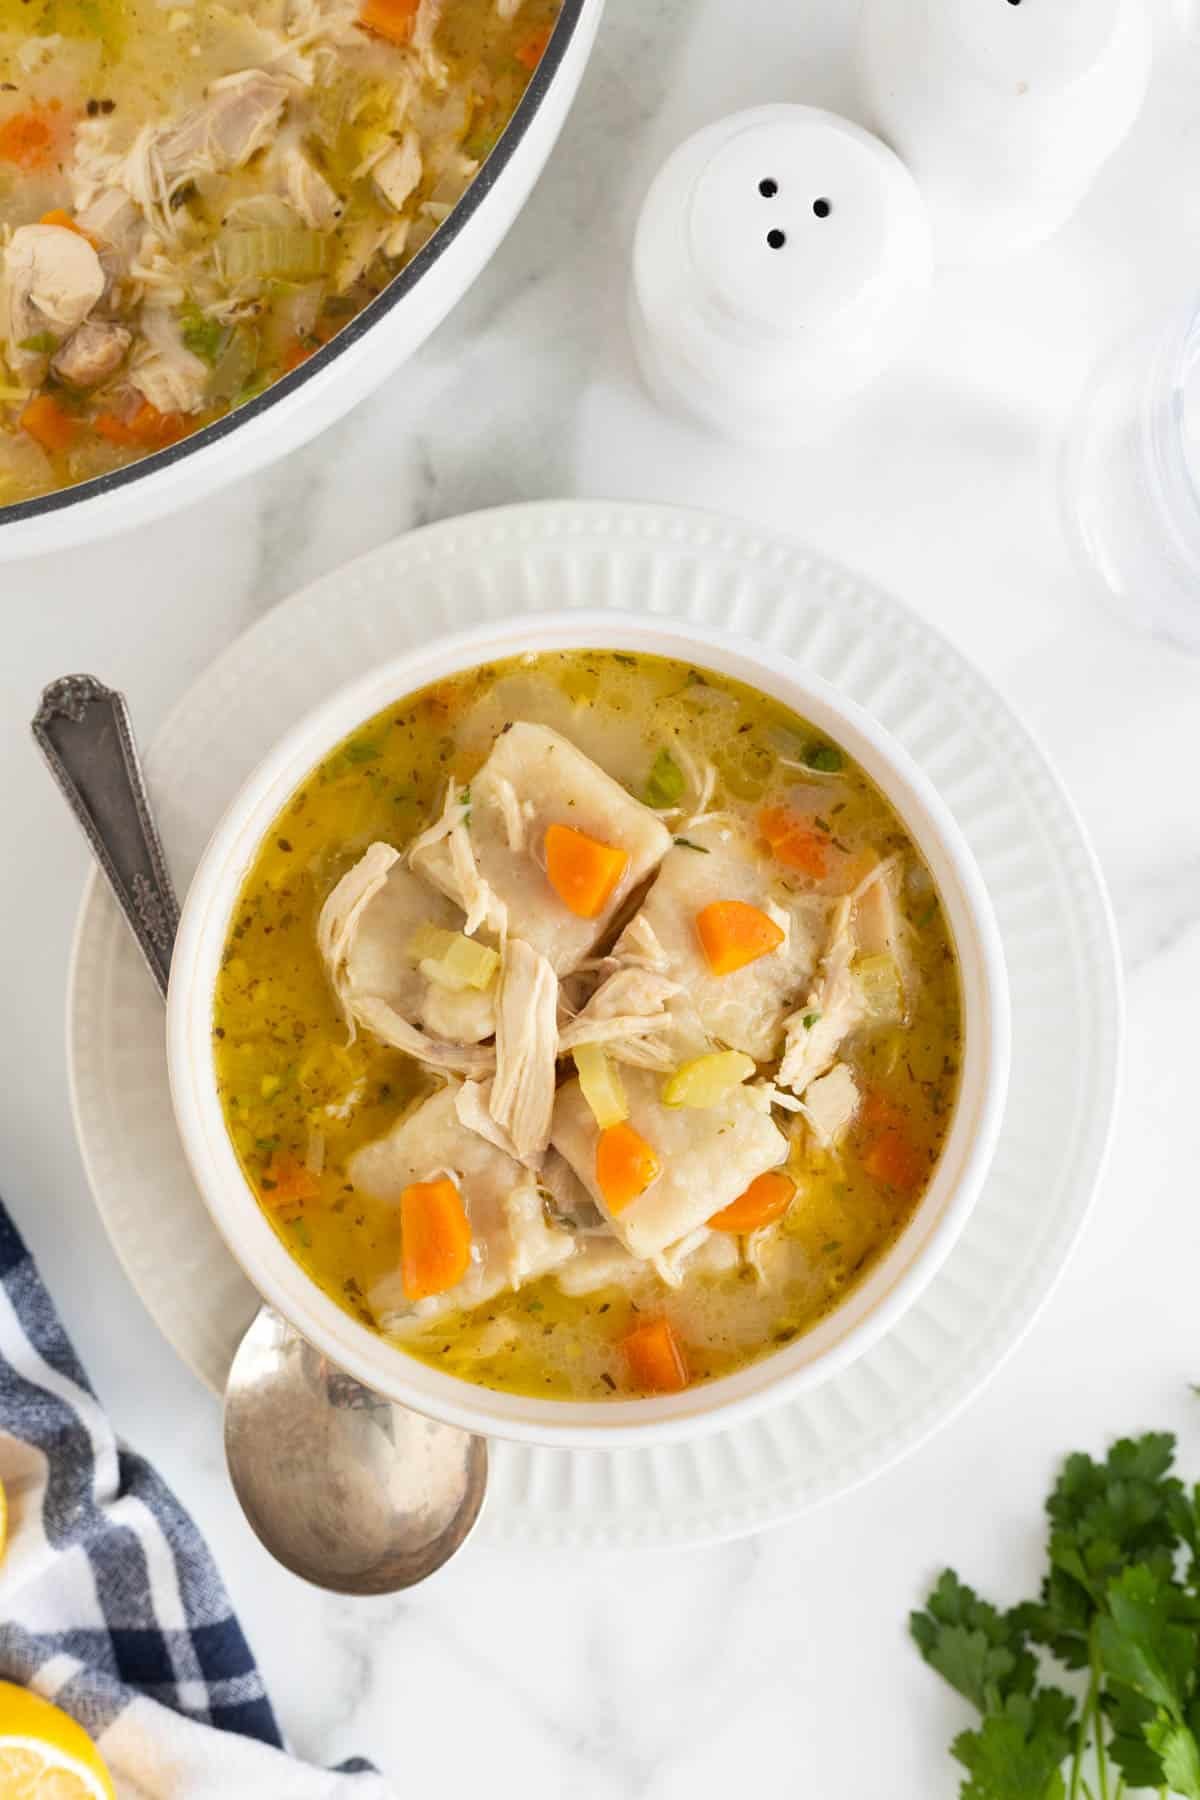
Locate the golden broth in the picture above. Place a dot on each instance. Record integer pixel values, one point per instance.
(285, 1070)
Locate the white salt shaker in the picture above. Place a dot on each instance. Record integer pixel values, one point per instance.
(781, 259)
(1004, 110)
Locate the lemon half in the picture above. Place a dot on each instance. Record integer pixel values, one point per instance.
(44, 1754)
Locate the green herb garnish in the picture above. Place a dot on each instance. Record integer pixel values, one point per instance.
(687, 844)
(826, 757)
(42, 343)
(665, 786)
(1121, 1603)
(364, 750)
(810, 1019)
(202, 335)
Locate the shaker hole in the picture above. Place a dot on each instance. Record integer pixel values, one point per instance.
(822, 208)
(768, 188)
(777, 239)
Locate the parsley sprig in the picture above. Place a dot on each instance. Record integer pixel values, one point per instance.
(1121, 1602)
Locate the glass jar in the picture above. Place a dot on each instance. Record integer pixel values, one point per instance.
(1131, 478)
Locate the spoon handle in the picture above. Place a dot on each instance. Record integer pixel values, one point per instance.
(84, 732)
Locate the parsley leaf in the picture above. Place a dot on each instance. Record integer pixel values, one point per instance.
(1176, 1745)
(1121, 1599)
(1018, 1754)
(979, 1651)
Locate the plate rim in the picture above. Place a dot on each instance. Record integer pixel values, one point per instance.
(766, 552)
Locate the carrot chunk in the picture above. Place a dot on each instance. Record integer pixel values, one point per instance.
(764, 1201)
(894, 1161)
(530, 53)
(733, 934)
(795, 842)
(390, 19)
(435, 1238)
(655, 1357)
(65, 222)
(583, 873)
(625, 1166)
(287, 1184)
(31, 139)
(45, 420)
(148, 429)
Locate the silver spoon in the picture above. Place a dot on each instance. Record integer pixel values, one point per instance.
(342, 1486)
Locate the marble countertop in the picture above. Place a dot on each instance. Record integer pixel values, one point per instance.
(607, 1677)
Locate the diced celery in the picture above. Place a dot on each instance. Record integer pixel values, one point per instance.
(882, 989)
(601, 1086)
(452, 960)
(292, 251)
(707, 1079)
(665, 786)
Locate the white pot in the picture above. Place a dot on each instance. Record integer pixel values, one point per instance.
(891, 1287)
(353, 363)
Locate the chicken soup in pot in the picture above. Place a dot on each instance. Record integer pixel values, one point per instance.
(588, 1025)
(194, 197)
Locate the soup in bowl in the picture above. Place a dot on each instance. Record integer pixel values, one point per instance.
(583, 1029)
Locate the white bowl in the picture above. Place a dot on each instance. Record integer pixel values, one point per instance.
(878, 1301)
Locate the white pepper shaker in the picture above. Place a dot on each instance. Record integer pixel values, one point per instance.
(1004, 110)
(781, 258)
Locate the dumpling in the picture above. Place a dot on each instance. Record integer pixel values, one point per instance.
(533, 780)
(365, 935)
(512, 1239)
(746, 1009)
(708, 1157)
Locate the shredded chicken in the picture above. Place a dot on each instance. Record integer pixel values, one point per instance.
(640, 944)
(93, 352)
(630, 1004)
(481, 905)
(237, 117)
(163, 369)
(831, 1103)
(814, 1034)
(474, 1060)
(339, 919)
(115, 222)
(472, 1103)
(455, 811)
(51, 280)
(312, 196)
(522, 1099)
(514, 818)
(398, 171)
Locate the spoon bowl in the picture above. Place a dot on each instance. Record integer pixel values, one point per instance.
(343, 1488)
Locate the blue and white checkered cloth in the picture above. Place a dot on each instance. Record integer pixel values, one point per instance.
(110, 1604)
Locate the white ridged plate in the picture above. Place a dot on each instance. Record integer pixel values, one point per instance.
(1049, 897)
